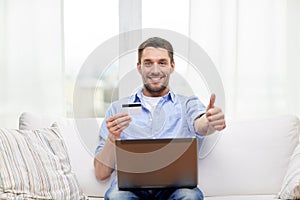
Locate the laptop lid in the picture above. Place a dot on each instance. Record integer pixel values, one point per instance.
(157, 163)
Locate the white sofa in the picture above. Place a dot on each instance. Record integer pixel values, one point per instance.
(249, 160)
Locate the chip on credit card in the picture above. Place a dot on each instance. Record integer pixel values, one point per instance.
(132, 108)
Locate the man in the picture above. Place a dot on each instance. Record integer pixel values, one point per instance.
(164, 115)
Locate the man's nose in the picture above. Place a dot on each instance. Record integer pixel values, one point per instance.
(155, 68)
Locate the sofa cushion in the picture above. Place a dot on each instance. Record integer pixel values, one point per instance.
(81, 137)
(242, 197)
(249, 157)
(291, 184)
(35, 165)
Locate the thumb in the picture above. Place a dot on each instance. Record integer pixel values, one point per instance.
(211, 102)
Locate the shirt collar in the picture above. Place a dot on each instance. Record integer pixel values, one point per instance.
(138, 95)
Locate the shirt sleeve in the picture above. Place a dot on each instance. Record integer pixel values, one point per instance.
(194, 109)
(103, 132)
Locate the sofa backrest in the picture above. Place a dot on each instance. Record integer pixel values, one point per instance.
(250, 157)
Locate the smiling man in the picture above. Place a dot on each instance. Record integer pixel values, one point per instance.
(164, 115)
(155, 66)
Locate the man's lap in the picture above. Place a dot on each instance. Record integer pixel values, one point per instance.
(160, 194)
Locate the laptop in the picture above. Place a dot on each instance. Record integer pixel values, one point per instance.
(157, 163)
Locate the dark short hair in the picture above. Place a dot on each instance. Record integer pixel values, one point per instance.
(156, 42)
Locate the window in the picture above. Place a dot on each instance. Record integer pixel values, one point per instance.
(87, 24)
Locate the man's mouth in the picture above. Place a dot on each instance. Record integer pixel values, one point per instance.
(156, 78)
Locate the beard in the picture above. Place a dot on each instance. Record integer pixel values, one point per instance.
(157, 83)
(152, 90)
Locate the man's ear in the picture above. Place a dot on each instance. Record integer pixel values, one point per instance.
(139, 68)
(172, 66)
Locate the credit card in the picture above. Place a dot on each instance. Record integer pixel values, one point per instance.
(132, 108)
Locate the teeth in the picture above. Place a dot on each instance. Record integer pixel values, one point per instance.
(155, 79)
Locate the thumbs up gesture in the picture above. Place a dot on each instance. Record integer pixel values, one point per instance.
(214, 115)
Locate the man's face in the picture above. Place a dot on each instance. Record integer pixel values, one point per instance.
(155, 69)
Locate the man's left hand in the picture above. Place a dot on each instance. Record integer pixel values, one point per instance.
(214, 115)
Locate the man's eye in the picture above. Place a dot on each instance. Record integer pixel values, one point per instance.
(148, 64)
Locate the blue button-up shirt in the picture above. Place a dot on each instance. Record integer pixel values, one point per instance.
(173, 117)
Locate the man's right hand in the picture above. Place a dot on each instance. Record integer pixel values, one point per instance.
(104, 160)
(116, 124)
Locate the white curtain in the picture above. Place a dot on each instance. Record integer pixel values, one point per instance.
(31, 63)
(255, 45)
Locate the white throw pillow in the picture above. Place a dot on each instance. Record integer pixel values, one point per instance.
(35, 165)
(291, 184)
